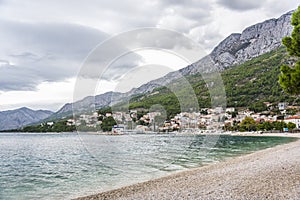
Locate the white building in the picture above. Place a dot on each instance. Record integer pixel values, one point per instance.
(71, 122)
(230, 110)
(282, 106)
(293, 119)
(50, 123)
(218, 110)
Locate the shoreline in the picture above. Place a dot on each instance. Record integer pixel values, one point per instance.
(236, 133)
(269, 173)
(283, 134)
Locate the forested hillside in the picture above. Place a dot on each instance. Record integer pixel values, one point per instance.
(246, 85)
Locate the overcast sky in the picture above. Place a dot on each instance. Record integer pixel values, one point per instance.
(44, 43)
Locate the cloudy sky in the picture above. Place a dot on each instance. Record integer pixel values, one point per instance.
(44, 43)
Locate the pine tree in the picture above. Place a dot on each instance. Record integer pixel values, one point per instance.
(289, 78)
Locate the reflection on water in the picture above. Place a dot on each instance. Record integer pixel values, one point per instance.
(62, 166)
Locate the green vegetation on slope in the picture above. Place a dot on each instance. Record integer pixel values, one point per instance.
(59, 126)
(256, 81)
(246, 85)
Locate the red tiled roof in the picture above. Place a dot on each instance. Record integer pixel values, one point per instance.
(293, 117)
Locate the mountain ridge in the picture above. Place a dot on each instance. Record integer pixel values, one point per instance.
(14, 119)
(237, 48)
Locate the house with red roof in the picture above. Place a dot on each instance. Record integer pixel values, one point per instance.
(294, 119)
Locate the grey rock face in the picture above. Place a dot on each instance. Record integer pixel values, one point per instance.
(13, 119)
(252, 42)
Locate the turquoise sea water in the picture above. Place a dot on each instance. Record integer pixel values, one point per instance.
(65, 166)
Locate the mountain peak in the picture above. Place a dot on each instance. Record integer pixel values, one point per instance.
(24, 108)
(254, 41)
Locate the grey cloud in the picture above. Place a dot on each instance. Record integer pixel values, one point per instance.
(105, 15)
(17, 78)
(276, 9)
(120, 67)
(4, 62)
(109, 15)
(185, 15)
(162, 39)
(189, 3)
(53, 52)
(109, 72)
(199, 14)
(24, 55)
(210, 39)
(35, 52)
(55, 38)
(100, 62)
(115, 17)
(241, 4)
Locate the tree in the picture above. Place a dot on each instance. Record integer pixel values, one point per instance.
(258, 107)
(108, 123)
(104, 110)
(248, 124)
(279, 125)
(289, 78)
(291, 126)
(292, 42)
(267, 126)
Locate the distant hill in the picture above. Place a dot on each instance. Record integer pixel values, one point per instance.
(234, 50)
(13, 119)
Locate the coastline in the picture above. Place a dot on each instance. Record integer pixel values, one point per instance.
(296, 135)
(272, 173)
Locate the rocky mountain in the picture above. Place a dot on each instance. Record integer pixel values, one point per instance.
(89, 103)
(13, 119)
(252, 42)
(235, 49)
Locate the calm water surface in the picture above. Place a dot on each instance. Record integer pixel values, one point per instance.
(65, 166)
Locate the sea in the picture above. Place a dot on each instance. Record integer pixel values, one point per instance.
(69, 165)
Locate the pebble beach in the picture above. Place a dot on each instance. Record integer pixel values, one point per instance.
(272, 173)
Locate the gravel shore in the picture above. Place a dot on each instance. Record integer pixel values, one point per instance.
(272, 173)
